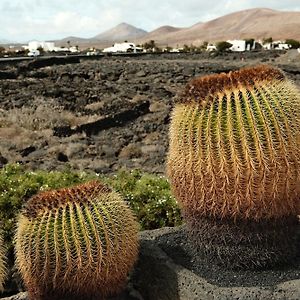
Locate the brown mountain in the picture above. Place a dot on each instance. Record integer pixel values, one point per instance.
(255, 23)
(73, 39)
(161, 31)
(121, 32)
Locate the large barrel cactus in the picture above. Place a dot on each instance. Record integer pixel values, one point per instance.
(76, 243)
(234, 162)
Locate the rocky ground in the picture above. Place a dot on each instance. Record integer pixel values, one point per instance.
(113, 112)
(103, 114)
(168, 269)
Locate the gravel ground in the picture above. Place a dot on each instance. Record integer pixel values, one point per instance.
(101, 115)
(104, 114)
(178, 247)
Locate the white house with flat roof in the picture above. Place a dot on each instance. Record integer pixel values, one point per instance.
(277, 45)
(123, 47)
(237, 45)
(211, 47)
(47, 46)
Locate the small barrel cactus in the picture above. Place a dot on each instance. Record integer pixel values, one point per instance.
(76, 243)
(234, 164)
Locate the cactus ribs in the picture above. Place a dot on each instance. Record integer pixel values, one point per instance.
(234, 159)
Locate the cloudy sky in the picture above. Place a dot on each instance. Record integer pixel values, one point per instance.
(23, 20)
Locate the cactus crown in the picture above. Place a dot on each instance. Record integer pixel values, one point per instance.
(79, 242)
(235, 145)
(203, 89)
(52, 200)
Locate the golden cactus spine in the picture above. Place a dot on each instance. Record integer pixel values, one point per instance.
(2, 264)
(77, 242)
(235, 145)
(233, 163)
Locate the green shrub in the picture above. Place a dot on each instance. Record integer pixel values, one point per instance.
(294, 44)
(223, 46)
(148, 195)
(17, 185)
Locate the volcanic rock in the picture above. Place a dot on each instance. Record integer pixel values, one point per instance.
(168, 269)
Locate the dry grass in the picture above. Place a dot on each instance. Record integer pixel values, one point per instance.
(42, 116)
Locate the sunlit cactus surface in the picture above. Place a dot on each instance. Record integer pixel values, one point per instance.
(2, 263)
(233, 163)
(235, 145)
(79, 242)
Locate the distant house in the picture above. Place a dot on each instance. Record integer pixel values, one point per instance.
(74, 49)
(123, 47)
(211, 47)
(175, 50)
(46, 46)
(283, 46)
(276, 45)
(237, 45)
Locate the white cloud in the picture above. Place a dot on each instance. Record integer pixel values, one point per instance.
(70, 21)
(44, 19)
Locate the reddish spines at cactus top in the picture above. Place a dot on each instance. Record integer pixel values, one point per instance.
(54, 199)
(205, 88)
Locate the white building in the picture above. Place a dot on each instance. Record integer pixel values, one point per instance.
(123, 47)
(74, 49)
(175, 50)
(47, 46)
(283, 46)
(237, 45)
(211, 47)
(277, 45)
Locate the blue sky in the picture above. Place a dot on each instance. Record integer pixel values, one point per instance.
(23, 20)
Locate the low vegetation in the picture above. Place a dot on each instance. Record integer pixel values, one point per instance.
(148, 195)
(37, 118)
(293, 43)
(223, 46)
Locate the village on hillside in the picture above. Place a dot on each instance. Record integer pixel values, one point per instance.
(39, 48)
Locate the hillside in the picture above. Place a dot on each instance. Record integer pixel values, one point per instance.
(255, 23)
(161, 31)
(5, 41)
(73, 39)
(121, 32)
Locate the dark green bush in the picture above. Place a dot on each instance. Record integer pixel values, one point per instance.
(294, 44)
(148, 195)
(18, 184)
(223, 46)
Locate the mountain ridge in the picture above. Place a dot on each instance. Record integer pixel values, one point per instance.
(257, 23)
(120, 32)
